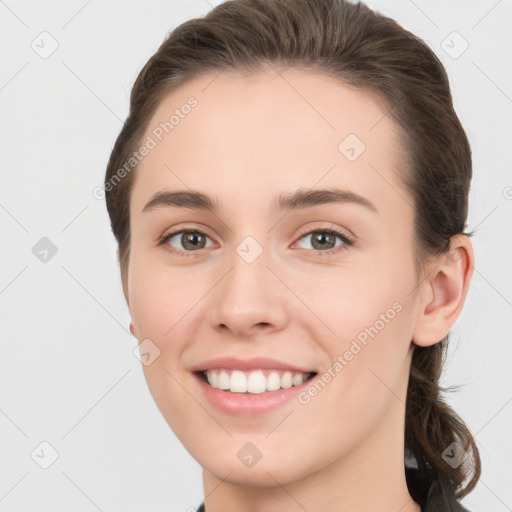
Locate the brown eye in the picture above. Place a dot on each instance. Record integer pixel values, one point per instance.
(190, 241)
(324, 240)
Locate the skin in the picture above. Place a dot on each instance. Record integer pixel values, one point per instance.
(248, 140)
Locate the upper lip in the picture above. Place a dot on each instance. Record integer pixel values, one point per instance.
(248, 364)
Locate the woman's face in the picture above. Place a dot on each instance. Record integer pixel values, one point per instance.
(250, 279)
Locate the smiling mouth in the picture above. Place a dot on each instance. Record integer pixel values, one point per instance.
(253, 382)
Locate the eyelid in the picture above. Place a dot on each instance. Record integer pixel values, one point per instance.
(347, 239)
(168, 234)
(326, 227)
(175, 231)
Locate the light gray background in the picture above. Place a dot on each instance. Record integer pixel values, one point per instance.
(68, 375)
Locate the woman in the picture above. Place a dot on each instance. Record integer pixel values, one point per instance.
(289, 194)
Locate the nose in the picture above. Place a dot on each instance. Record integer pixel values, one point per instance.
(249, 299)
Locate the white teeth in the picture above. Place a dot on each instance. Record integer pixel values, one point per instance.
(257, 382)
(215, 380)
(238, 382)
(273, 381)
(254, 382)
(297, 379)
(287, 380)
(223, 382)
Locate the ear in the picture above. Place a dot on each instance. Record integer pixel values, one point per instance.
(125, 293)
(132, 330)
(443, 292)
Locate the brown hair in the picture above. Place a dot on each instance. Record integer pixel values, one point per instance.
(367, 50)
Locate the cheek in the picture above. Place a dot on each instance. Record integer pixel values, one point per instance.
(159, 308)
(150, 308)
(164, 308)
(156, 298)
(351, 302)
(370, 319)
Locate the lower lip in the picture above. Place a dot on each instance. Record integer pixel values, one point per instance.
(249, 404)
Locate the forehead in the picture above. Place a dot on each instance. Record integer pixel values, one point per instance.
(293, 128)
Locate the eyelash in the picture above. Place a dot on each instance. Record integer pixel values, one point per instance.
(347, 241)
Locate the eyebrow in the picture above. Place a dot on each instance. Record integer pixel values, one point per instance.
(300, 199)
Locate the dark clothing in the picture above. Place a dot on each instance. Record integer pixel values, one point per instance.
(437, 503)
(430, 494)
(434, 500)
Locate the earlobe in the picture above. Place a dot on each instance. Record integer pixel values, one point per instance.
(443, 293)
(132, 327)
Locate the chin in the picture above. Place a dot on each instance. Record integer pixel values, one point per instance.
(266, 472)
